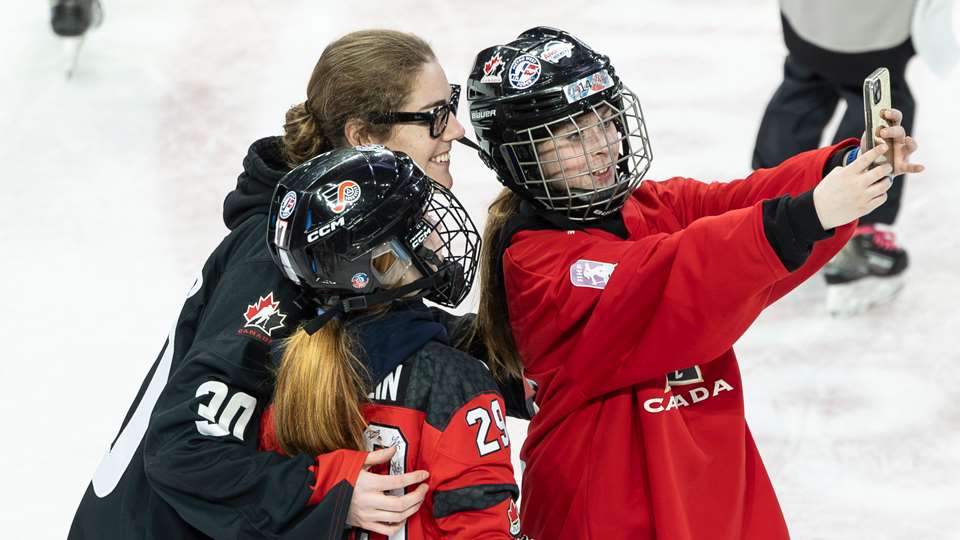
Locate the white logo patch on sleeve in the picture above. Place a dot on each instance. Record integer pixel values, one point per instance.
(592, 274)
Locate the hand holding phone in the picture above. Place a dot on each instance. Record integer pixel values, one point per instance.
(876, 98)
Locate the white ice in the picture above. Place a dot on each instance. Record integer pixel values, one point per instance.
(112, 192)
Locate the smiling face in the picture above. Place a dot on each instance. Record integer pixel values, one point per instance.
(582, 152)
(430, 89)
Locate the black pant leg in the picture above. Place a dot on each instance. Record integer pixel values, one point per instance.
(795, 117)
(852, 125)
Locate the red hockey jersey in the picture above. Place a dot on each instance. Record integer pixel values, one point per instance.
(641, 431)
(442, 411)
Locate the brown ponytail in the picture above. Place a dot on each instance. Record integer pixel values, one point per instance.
(491, 322)
(362, 73)
(319, 393)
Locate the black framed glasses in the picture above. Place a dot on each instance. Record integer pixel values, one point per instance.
(437, 118)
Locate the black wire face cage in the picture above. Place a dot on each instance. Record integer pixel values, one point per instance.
(586, 164)
(447, 242)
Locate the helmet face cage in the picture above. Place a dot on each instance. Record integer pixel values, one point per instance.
(586, 163)
(446, 241)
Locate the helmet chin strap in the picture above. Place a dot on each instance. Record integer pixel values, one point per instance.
(339, 306)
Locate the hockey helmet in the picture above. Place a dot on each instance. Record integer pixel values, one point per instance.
(557, 125)
(349, 225)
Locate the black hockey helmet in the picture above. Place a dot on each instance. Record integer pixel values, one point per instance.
(545, 87)
(350, 224)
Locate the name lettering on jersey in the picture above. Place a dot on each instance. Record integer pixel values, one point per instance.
(591, 274)
(262, 318)
(217, 418)
(389, 387)
(693, 396)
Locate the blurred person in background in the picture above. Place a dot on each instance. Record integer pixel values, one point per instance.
(831, 48)
(71, 19)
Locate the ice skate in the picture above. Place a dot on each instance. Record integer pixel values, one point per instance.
(867, 272)
(71, 19)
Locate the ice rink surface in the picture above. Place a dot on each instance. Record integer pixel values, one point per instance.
(112, 196)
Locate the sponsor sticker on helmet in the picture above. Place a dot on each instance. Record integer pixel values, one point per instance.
(493, 69)
(359, 280)
(342, 196)
(591, 274)
(555, 51)
(524, 71)
(326, 229)
(423, 229)
(369, 147)
(287, 205)
(482, 114)
(588, 86)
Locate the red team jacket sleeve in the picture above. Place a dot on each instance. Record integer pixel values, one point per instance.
(691, 200)
(472, 481)
(328, 470)
(673, 299)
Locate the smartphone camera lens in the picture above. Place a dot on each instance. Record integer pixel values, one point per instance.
(876, 92)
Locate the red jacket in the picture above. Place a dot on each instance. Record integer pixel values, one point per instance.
(641, 430)
(442, 410)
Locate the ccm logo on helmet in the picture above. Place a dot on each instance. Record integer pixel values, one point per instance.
(420, 236)
(325, 229)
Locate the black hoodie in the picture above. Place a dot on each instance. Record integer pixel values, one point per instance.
(262, 170)
(185, 463)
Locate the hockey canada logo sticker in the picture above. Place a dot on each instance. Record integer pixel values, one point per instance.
(588, 86)
(288, 204)
(591, 274)
(263, 318)
(359, 280)
(524, 71)
(493, 69)
(555, 51)
(342, 196)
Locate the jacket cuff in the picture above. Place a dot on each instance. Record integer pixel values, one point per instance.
(839, 152)
(332, 468)
(804, 220)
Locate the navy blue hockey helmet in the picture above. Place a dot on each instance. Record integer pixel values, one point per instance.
(362, 226)
(557, 124)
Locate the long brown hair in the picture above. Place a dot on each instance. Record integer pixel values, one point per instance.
(492, 324)
(362, 73)
(321, 383)
(321, 387)
(319, 393)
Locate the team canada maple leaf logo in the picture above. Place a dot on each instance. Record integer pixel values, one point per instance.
(513, 518)
(265, 315)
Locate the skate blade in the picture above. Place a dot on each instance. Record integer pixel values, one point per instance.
(849, 299)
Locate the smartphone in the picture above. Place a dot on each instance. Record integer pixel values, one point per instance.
(876, 97)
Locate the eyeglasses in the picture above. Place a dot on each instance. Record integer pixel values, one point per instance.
(437, 118)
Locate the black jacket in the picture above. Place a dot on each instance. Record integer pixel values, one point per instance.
(185, 464)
